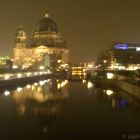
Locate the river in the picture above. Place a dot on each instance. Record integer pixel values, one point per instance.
(55, 109)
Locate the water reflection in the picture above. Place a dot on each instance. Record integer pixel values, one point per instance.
(115, 98)
(118, 103)
(108, 94)
(89, 109)
(44, 92)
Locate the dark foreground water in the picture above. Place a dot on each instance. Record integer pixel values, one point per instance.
(67, 110)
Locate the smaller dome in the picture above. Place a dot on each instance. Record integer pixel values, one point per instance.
(20, 32)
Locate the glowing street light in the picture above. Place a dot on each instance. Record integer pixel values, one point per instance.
(109, 92)
(19, 75)
(6, 77)
(6, 93)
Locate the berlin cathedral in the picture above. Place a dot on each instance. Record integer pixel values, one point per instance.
(45, 47)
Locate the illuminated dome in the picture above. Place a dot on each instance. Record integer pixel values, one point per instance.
(46, 24)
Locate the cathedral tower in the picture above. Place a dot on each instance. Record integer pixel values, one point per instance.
(20, 39)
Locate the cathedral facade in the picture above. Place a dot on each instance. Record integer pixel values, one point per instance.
(46, 46)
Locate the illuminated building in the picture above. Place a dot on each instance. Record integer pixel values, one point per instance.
(46, 46)
(123, 56)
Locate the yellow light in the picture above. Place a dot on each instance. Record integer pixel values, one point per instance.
(28, 86)
(41, 83)
(41, 67)
(19, 89)
(49, 80)
(29, 74)
(84, 81)
(19, 75)
(39, 89)
(89, 84)
(105, 61)
(6, 93)
(49, 72)
(45, 81)
(90, 65)
(25, 67)
(36, 84)
(6, 77)
(35, 73)
(33, 87)
(109, 92)
(63, 84)
(15, 67)
(58, 86)
(41, 73)
(45, 72)
(110, 75)
(59, 61)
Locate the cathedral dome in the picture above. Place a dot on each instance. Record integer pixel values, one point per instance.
(46, 24)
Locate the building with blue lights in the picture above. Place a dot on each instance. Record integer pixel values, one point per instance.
(122, 56)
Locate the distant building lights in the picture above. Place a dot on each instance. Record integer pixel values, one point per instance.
(104, 61)
(19, 75)
(45, 72)
(84, 81)
(36, 84)
(89, 85)
(24, 67)
(121, 67)
(6, 77)
(121, 46)
(41, 68)
(15, 67)
(109, 92)
(28, 74)
(41, 83)
(19, 89)
(137, 48)
(90, 65)
(49, 80)
(35, 73)
(41, 73)
(58, 86)
(48, 71)
(110, 75)
(66, 81)
(6, 93)
(63, 84)
(28, 86)
(59, 61)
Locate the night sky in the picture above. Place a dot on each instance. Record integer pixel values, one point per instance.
(88, 26)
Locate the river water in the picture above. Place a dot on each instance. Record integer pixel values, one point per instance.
(56, 109)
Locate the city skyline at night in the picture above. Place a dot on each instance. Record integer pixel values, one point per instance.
(89, 27)
(69, 69)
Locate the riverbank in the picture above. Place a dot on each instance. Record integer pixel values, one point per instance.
(131, 89)
(11, 82)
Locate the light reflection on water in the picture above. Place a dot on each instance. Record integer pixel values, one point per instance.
(43, 103)
(41, 92)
